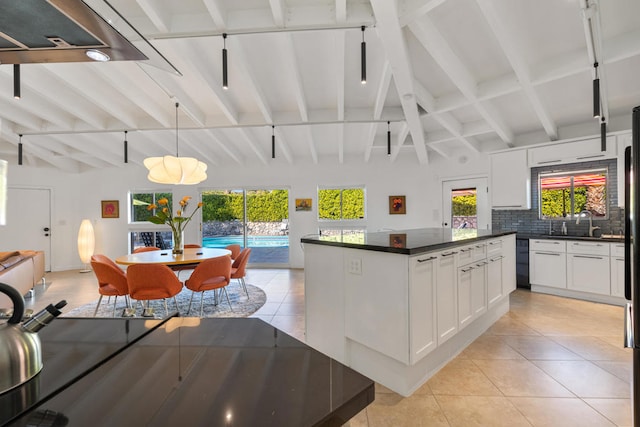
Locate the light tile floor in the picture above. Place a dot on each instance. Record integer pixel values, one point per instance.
(550, 361)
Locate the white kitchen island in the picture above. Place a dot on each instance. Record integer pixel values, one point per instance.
(397, 306)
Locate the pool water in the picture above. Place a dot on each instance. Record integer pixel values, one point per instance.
(252, 241)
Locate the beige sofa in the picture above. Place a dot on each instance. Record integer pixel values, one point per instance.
(22, 270)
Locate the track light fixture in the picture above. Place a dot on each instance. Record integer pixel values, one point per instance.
(273, 142)
(16, 81)
(225, 83)
(603, 135)
(20, 150)
(126, 148)
(596, 92)
(388, 138)
(363, 59)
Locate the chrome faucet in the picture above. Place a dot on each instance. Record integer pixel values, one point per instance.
(591, 227)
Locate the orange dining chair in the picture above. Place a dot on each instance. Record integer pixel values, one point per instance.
(239, 267)
(145, 249)
(112, 281)
(152, 282)
(213, 274)
(235, 250)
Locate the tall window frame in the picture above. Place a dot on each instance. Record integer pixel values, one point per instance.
(564, 194)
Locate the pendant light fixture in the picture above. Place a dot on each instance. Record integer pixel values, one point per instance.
(175, 170)
(273, 142)
(596, 93)
(603, 135)
(16, 81)
(363, 59)
(20, 150)
(126, 148)
(388, 138)
(225, 83)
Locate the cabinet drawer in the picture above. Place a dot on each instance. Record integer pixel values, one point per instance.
(588, 248)
(494, 247)
(547, 245)
(617, 250)
(472, 253)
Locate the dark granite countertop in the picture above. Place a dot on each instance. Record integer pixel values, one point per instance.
(407, 242)
(197, 372)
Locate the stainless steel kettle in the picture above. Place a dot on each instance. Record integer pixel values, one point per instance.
(20, 352)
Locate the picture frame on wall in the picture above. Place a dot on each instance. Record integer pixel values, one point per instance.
(397, 205)
(110, 209)
(303, 204)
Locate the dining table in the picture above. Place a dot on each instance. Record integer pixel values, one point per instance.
(190, 256)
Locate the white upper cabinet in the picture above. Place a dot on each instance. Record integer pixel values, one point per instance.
(510, 180)
(585, 150)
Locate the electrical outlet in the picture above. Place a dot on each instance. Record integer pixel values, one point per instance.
(355, 266)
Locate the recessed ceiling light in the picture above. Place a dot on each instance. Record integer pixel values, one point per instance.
(97, 55)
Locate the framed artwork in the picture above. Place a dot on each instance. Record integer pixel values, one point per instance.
(397, 205)
(303, 204)
(398, 240)
(110, 209)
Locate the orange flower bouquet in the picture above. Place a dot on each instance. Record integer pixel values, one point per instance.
(177, 222)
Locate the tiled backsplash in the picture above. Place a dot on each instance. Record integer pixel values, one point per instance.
(528, 221)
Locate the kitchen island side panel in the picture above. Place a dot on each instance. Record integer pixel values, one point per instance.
(324, 300)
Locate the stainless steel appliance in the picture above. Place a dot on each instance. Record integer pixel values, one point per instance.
(632, 255)
(20, 353)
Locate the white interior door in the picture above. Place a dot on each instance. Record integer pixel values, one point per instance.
(479, 187)
(28, 206)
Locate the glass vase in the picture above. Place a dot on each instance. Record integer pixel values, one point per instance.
(178, 243)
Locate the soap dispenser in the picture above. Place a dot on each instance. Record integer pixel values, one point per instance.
(564, 228)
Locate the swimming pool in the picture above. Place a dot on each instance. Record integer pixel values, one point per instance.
(252, 241)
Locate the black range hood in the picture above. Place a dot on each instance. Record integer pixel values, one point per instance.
(49, 31)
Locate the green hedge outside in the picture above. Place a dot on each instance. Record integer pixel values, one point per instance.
(262, 205)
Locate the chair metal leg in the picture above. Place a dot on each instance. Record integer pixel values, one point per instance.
(244, 285)
(190, 301)
(201, 302)
(97, 306)
(227, 295)
(166, 307)
(115, 302)
(175, 301)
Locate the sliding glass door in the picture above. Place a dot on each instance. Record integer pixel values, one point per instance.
(257, 219)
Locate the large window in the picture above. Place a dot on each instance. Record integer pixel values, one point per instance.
(140, 201)
(339, 204)
(567, 194)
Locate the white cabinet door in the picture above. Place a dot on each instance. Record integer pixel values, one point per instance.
(510, 180)
(479, 289)
(588, 273)
(446, 296)
(509, 264)
(465, 309)
(422, 306)
(494, 280)
(570, 152)
(548, 268)
(617, 277)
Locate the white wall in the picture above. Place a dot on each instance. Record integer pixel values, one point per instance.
(78, 196)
